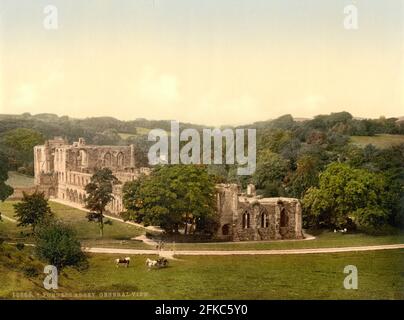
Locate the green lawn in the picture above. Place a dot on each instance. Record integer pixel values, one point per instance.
(323, 240)
(312, 276)
(16, 180)
(88, 232)
(380, 140)
(118, 235)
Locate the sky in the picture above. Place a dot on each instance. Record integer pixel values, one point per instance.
(213, 62)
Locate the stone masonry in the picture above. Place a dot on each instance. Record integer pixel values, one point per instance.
(245, 216)
(62, 171)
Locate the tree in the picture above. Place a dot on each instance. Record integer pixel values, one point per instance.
(5, 190)
(32, 210)
(347, 195)
(305, 175)
(57, 244)
(270, 172)
(173, 196)
(18, 144)
(132, 201)
(99, 194)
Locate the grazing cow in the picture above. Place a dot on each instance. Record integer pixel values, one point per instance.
(151, 263)
(124, 261)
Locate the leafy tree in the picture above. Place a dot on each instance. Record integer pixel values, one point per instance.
(346, 194)
(32, 210)
(99, 194)
(172, 196)
(271, 170)
(18, 144)
(5, 190)
(273, 139)
(56, 243)
(132, 201)
(305, 175)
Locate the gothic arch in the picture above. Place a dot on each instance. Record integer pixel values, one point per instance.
(264, 217)
(83, 157)
(120, 159)
(108, 160)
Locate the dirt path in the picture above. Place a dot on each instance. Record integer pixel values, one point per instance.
(77, 206)
(168, 253)
(8, 218)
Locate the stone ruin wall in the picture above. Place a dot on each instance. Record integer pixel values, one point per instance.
(242, 217)
(62, 172)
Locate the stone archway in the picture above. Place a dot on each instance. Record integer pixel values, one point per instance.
(283, 221)
(226, 229)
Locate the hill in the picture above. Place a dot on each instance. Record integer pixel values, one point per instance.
(380, 141)
(20, 271)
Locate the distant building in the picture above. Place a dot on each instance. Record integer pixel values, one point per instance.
(62, 171)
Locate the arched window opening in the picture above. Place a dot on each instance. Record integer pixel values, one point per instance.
(108, 160)
(226, 230)
(284, 218)
(264, 220)
(120, 159)
(246, 220)
(83, 158)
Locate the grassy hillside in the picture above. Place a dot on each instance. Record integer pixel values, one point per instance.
(318, 276)
(115, 233)
(379, 141)
(19, 271)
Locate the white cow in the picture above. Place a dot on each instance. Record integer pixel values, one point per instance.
(124, 261)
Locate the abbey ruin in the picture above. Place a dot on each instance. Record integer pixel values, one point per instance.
(62, 171)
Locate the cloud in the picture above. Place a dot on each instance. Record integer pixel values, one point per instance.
(215, 110)
(314, 103)
(26, 95)
(158, 88)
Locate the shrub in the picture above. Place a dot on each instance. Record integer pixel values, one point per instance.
(56, 243)
(20, 246)
(31, 271)
(22, 170)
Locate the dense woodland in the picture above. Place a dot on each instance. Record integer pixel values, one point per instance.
(340, 183)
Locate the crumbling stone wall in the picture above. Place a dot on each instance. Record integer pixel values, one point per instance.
(63, 170)
(254, 218)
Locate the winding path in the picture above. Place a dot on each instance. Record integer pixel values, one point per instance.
(170, 254)
(8, 218)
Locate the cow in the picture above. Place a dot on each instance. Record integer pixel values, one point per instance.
(151, 263)
(124, 261)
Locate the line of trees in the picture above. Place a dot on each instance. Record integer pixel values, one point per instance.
(173, 197)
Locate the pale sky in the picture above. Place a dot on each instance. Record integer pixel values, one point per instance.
(211, 62)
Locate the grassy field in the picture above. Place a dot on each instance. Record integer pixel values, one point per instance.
(119, 235)
(323, 240)
(140, 131)
(379, 141)
(115, 233)
(16, 180)
(319, 276)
